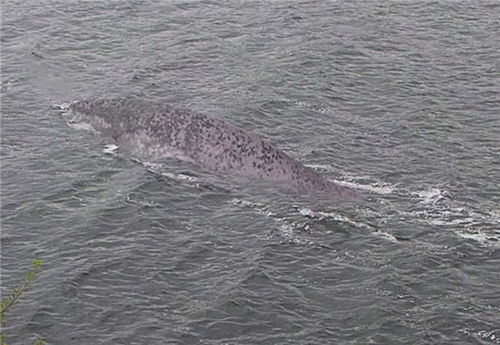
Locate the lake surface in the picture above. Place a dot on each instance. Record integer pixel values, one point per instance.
(398, 99)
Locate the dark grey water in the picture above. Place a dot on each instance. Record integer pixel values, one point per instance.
(399, 100)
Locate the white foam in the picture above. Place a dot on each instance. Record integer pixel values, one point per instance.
(81, 126)
(482, 334)
(110, 149)
(156, 168)
(246, 203)
(435, 208)
(345, 219)
(153, 167)
(430, 196)
(332, 215)
(307, 212)
(71, 121)
(259, 208)
(350, 181)
(183, 177)
(376, 187)
(61, 107)
(323, 167)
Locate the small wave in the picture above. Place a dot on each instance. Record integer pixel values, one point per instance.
(290, 229)
(287, 229)
(441, 216)
(132, 200)
(481, 236)
(346, 219)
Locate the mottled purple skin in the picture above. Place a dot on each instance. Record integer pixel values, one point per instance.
(157, 131)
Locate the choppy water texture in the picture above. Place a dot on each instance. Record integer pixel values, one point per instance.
(399, 100)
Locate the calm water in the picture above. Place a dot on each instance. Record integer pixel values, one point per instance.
(399, 100)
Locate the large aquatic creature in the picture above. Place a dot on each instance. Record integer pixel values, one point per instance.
(157, 131)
